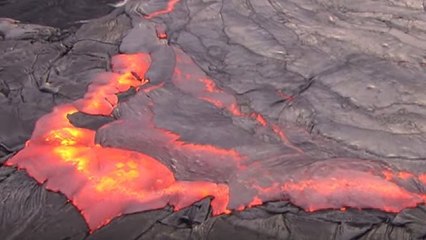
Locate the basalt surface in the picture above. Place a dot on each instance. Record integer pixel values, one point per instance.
(213, 119)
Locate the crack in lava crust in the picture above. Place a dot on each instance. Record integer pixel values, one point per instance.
(105, 182)
(170, 7)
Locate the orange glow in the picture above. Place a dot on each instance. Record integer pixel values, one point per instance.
(256, 202)
(170, 7)
(285, 96)
(280, 133)
(354, 189)
(235, 110)
(215, 102)
(260, 119)
(154, 87)
(101, 96)
(365, 185)
(422, 178)
(388, 175)
(209, 84)
(405, 175)
(104, 183)
(231, 155)
(65, 136)
(202, 87)
(107, 182)
(162, 35)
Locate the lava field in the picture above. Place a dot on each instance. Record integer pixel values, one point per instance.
(212, 119)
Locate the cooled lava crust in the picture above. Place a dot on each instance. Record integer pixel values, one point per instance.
(203, 107)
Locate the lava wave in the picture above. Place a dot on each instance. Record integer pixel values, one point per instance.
(182, 138)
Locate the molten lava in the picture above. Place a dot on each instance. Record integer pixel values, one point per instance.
(170, 7)
(101, 96)
(106, 182)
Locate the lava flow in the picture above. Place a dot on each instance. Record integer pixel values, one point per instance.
(170, 7)
(101, 95)
(106, 182)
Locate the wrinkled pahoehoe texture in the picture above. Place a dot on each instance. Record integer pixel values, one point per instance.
(319, 103)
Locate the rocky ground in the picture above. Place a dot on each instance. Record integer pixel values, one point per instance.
(309, 93)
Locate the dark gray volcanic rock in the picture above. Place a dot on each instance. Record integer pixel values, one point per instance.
(55, 13)
(37, 74)
(84, 120)
(28, 211)
(366, 65)
(342, 78)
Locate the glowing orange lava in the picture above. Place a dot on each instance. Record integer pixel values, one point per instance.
(104, 182)
(101, 96)
(170, 7)
(260, 119)
(324, 190)
(422, 178)
(107, 182)
(202, 87)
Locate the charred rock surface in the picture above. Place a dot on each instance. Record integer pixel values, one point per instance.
(304, 90)
(37, 74)
(40, 214)
(55, 13)
(351, 74)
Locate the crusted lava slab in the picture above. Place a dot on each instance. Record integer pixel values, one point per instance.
(229, 104)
